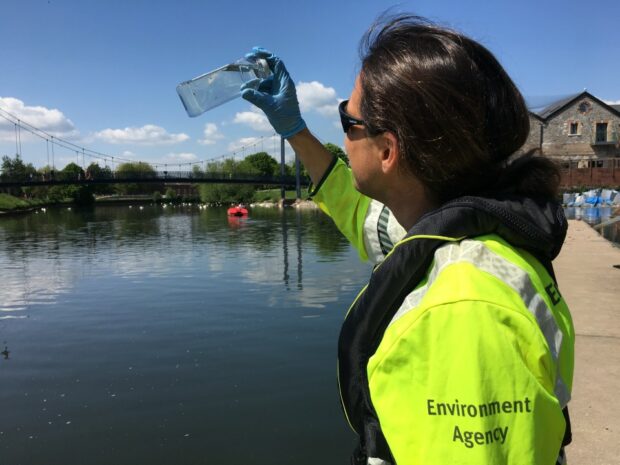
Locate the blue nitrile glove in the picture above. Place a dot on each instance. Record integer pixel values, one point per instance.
(275, 95)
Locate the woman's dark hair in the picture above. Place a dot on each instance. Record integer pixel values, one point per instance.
(456, 113)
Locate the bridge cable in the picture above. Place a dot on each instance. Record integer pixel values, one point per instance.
(16, 146)
(53, 156)
(19, 124)
(19, 135)
(56, 140)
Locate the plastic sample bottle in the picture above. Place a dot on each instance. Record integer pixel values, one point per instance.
(219, 86)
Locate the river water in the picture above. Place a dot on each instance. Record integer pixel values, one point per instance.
(172, 336)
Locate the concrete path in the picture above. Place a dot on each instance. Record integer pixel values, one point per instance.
(591, 286)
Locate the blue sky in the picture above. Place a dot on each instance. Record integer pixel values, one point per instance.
(102, 74)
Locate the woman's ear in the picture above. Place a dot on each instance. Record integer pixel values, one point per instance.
(390, 153)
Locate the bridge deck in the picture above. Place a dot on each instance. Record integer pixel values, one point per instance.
(156, 178)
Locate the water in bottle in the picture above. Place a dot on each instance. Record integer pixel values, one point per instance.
(219, 86)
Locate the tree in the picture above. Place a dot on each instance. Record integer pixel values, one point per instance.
(72, 172)
(138, 170)
(96, 172)
(40, 192)
(227, 193)
(289, 169)
(15, 169)
(197, 171)
(336, 151)
(80, 194)
(263, 163)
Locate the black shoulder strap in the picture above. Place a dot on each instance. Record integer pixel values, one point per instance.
(568, 434)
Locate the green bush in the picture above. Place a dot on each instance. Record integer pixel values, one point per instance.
(170, 194)
(226, 193)
(273, 195)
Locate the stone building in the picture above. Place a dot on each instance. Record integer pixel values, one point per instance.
(580, 128)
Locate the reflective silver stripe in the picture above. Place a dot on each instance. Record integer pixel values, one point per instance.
(382, 225)
(561, 390)
(380, 231)
(377, 461)
(476, 253)
(371, 240)
(410, 302)
(444, 256)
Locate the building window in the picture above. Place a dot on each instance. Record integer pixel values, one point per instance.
(584, 107)
(601, 132)
(574, 129)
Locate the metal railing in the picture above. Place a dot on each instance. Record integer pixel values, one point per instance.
(55, 178)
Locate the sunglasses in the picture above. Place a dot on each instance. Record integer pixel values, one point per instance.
(346, 119)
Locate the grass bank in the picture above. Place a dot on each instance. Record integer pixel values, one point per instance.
(8, 203)
(273, 195)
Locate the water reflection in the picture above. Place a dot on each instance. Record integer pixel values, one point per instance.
(237, 221)
(298, 242)
(162, 336)
(285, 277)
(299, 252)
(38, 251)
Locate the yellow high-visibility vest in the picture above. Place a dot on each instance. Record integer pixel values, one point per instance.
(476, 364)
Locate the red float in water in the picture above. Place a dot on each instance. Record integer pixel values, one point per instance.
(239, 210)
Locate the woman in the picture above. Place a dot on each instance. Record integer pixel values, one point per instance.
(460, 348)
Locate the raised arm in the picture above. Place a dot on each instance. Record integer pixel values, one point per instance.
(366, 223)
(277, 97)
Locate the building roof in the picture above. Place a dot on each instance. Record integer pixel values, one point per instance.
(543, 111)
(546, 112)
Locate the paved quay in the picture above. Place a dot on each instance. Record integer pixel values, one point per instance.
(591, 286)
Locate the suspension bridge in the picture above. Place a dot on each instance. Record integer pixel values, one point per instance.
(195, 172)
(156, 177)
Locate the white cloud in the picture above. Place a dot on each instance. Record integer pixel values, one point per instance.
(314, 96)
(612, 102)
(52, 121)
(270, 144)
(148, 134)
(182, 156)
(255, 119)
(250, 144)
(211, 134)
(62, 161)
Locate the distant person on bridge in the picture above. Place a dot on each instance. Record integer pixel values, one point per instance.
(460, 349)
